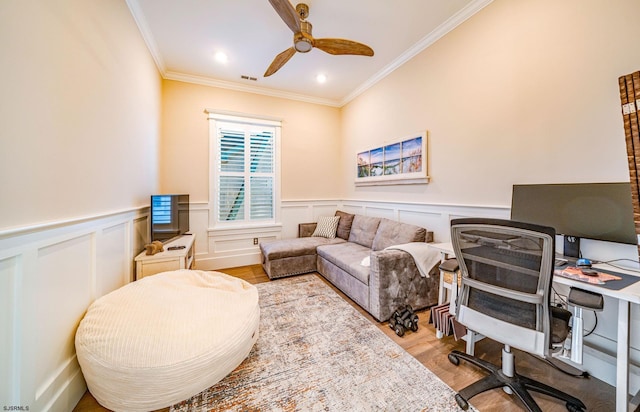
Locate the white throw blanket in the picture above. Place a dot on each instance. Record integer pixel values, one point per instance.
(424, 256)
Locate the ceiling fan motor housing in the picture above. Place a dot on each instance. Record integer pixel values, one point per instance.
(303, 41)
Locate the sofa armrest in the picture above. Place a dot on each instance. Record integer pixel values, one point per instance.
(306, 229)
(394, 281)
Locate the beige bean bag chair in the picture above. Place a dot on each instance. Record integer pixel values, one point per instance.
(165, 338)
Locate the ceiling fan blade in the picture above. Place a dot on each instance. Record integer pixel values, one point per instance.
(279, 61)
(287, 13)
(342, 46)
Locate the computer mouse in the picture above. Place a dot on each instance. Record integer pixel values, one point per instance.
(589, 272)
(583, 263)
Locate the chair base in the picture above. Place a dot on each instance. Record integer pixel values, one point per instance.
(518, 384)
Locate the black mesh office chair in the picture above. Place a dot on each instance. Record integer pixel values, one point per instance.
(507, 268)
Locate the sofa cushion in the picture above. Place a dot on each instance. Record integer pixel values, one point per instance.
(344, 225)
(363, 230)
(348, 256)
(278, 249)
(395, 233)
(326, 227)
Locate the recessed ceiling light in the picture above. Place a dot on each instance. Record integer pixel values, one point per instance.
(221, 57)
(321, 78)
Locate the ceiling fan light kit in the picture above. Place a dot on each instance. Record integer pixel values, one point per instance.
(303, 40)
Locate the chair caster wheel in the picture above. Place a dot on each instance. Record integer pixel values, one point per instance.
(399, 329)
(454, 359)
(462, 403)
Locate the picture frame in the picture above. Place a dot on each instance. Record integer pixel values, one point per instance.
(400, 161)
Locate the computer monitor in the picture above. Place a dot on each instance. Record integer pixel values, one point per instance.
(600, 211)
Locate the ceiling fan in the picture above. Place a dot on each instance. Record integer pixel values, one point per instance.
(303, 41)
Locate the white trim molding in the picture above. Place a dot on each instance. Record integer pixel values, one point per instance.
(49, 275)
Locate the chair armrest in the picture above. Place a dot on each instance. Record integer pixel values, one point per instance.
(306, 229)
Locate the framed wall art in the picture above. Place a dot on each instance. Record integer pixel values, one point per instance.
(402, 161)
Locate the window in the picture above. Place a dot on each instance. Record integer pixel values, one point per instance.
(244, 169)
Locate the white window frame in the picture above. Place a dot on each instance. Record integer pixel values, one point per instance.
(214, 118)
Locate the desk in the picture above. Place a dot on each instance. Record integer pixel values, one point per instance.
(625, 297)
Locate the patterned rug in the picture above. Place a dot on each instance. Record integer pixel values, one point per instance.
(316, 352)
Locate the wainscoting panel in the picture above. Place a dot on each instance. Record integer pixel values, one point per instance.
(382, 212)
(49, 275)
(9, 328)
(233, 248)
(62, 290)
(296, 212)
(433, 217)
(114, 263)
(226, 248)
(199, 224)
(353, 208)
(292, 215)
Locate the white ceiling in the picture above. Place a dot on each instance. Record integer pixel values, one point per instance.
(184, 35)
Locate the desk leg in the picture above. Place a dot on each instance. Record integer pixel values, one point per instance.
(442, 297)
(453, 301)
(442, 292)
(622, 367)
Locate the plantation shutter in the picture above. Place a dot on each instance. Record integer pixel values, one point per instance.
(246, 172)
(262, 166)
(161, 209)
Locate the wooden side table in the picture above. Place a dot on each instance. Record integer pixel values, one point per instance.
(181, 258)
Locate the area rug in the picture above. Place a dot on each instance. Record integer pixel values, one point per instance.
(316, 352)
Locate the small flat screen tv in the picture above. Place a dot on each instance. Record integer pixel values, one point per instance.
(169, 216)
(600, 211)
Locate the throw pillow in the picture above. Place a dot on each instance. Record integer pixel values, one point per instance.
(327, 226)
(344, 226)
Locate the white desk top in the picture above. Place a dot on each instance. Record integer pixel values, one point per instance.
(630, 293)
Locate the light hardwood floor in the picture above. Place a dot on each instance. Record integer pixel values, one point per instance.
(432, 352)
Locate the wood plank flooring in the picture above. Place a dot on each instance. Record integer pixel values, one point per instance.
(432, 352)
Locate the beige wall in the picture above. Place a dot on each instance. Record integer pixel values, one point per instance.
(310, 140)
(523, 92)
(79, 111)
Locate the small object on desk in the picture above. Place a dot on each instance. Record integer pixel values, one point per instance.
(590, 272)
(450, 265)
(559, 262)
(583, 263)
(176, 247)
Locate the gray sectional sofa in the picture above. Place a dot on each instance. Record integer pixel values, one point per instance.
(392, 278)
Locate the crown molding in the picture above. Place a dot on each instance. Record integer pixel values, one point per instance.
(440, 31)
(141, 22)
(451, 23)
(207, 81)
